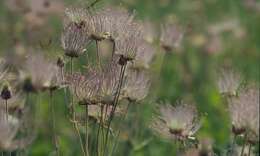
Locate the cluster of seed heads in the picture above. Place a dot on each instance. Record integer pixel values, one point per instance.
(105, 87)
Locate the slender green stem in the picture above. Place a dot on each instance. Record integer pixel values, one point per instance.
(56, 142)
(6, 110)
(75, 124)
(244, 144)
(120, 122)
(233, 144)
(86, 135)
(249, 150)
(115, 103)
(99, 127)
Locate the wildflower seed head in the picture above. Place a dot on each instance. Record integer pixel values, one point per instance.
(136, 85)
(40, 73)
(109, 22)
(171, 36)
(6, 93)
(75, 37)
(228, 82)
(144, 56)
(244, 110)
(149, 31)
(109, 83)
(84, 87)
(74, 40)
(9, 129)
(126, 45)
(180, 121)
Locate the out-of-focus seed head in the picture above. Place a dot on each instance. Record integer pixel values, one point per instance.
(176, 122)
(244, 111)
(10, 140)
(149, 31)
(8, 129)
(109, 22)
(75, 37)
(228, 82)
(6, 93)
(40, 73)
(136, 86)
(171, 36)
(144, 56)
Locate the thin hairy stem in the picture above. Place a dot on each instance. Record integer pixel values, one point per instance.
(6, 110)
(75, 124)
(244, 144)
(119, 131)
(99, 127)
(233, 144)
(56, 142)
(86, 135)
(115, 103)
(249, 150)
(62, 74)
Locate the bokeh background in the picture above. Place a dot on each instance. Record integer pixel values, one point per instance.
(216, 33)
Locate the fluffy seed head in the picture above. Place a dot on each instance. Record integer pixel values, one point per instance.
(75, 37)
(176, 122)
(127, 43)
(171, 36)
(228, 82)
(244, 111)
(144, 56)
(40, 73)
(136, 86)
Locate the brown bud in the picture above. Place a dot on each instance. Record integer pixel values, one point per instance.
(6, 92)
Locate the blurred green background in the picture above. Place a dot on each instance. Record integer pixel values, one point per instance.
(188, 72)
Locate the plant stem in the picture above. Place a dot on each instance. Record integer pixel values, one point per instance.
(56, 143)
(75, 125)
(115, 102)
(249, 151)
(233, 144)
(117, 136)
(244, 144)
(6, 110)
(86, 135)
